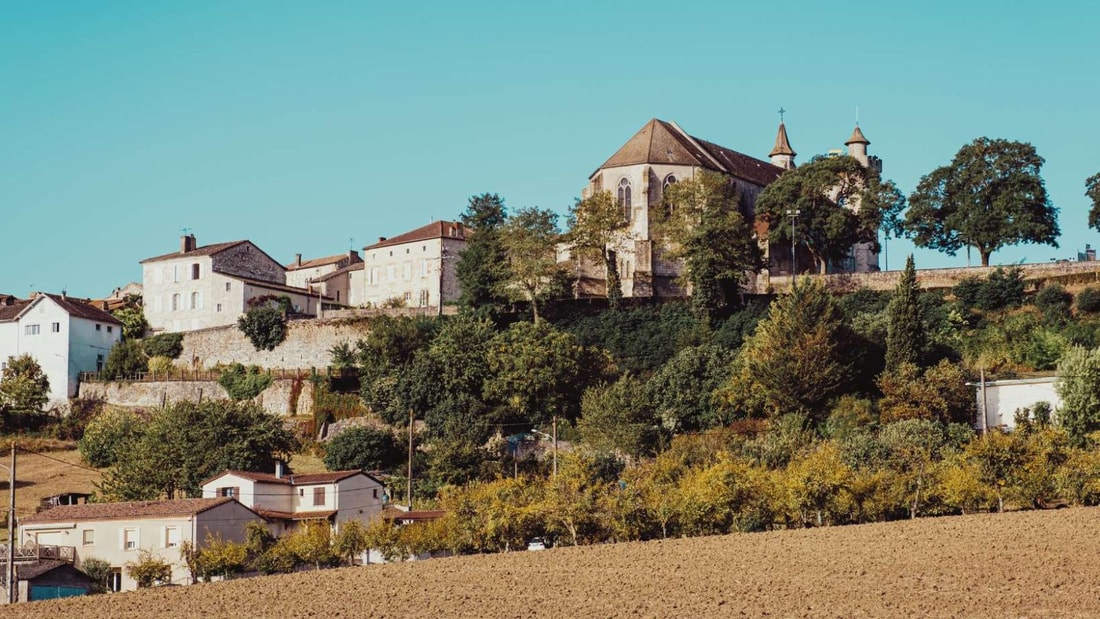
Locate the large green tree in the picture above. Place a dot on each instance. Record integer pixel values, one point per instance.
(24, 387)
(839, 202)
(594, 224)
(794, 359)
(482, 269)
(990, 196)
(905, 335)
(700, 222)
(1078, 385)
(530, 238)
(1092, 190)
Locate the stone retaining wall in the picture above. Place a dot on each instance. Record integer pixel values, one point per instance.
(307, 345)
(276, 399)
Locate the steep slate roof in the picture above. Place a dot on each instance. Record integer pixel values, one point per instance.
(205, 250)
(435, 230)
(73, 307)
(316, 262)
(127, 510)
(782, 144)
(665, 142)
(292, 480)
(857, 137)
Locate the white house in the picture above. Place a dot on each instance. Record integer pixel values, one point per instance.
(1002, 398)
(286, 500)
(417, 268)
(117, 532)
(206, 286)
(302, 273)
(65, 336)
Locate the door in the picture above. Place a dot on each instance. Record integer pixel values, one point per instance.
(49, 592)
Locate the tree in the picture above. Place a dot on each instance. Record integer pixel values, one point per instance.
(530, 238)
(1078, 385)
(351, 541)
(482, 270)
(905, 339)
(839, 203)
(1092, 190)
(364, 448)
(620, 418)
(108, 436)
(187, 442)
(793, 358)
(99, 571)
(938, 393)
(243, 383)
(682, 390)
(24, 387)
(989, 197)
(701, 223)
(149, 570)
(594, 225)
(265, 326)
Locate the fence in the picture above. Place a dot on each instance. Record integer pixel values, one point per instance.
(182, 375)
(33, 553)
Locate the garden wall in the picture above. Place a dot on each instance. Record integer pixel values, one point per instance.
(280, 398)
(308, 345)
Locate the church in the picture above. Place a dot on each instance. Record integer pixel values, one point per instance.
(661, 154)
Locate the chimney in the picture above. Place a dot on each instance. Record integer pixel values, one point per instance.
(381, 238)
(187, 243)
(353, 256)
(298, 260)
(279, 463)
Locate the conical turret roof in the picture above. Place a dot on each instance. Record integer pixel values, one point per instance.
(782, 144)
(857, 137)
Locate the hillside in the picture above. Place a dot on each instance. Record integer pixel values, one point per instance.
(1025, 564)
(39, 476)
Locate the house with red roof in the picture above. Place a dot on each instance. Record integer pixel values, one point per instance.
(66, 336)
(119, 533)
(416, 268)
(286, 500)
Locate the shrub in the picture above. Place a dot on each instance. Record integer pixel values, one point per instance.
(149, 570)
(160, 366)
(125, 359)
(264, 326)
(244, 384)
(1054, 302)
(1088, 300)
(364, 448)
(164, 345)
(99, 571)
(1001, 290)
(107, 435)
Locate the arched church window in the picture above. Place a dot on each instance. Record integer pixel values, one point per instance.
(624, 197)
(669, 180)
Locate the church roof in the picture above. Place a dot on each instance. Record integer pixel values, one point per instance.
(665, 142)
(857, 137)
(782, 144)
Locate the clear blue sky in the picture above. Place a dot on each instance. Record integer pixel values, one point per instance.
(301, 125)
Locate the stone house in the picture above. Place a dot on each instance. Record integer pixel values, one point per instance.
(345, 285)
(286, 500)
(416, 269)
(661, 154)
(118, 532)
(65, 336)
(301, 274)
(206, 286)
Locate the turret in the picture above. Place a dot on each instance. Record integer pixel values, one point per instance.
(782, 154)
(857, 146)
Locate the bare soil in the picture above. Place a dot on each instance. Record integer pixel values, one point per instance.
(40, 476)
(1026, 564)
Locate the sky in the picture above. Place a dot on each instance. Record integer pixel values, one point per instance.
(315, 127)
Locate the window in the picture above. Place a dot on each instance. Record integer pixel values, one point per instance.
(171, 537)
(110, 329)
(391, 273)
(218, 307)
(301, 492)
(114, 580)
(88, 537)
(374, 493)
(129, 539)
(319, 496)
(195, 271)
(624, 197)
(175, 273)
(423, 298)
(228, 285)
(669, 180)
(408, 297)
(56, 327)
(98, 327)
(175, 303)
(337, 296)
(33, 329)
(194, 300)
(99, 363)
(234, 492)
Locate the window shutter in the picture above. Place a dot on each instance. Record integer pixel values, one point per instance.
(122, 539)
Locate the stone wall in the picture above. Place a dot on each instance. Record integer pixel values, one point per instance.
(307, 345)
(1067, 273)
(276, 399)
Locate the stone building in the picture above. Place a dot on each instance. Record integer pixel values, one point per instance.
(414, 269)
(661, 154)
(211, 285)
(302, 273)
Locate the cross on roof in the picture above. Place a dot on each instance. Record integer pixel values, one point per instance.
(781, 113)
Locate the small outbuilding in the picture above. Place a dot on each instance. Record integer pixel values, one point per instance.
(47, 580)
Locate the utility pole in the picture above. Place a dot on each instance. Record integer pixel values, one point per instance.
(409, 489)
(794, 260)
(11, 527)
(555, 445)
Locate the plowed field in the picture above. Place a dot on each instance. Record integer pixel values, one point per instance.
(1029, 564)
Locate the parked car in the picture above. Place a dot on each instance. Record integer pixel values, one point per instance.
(536, 543)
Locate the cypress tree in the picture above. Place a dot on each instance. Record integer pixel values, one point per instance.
(905, 325)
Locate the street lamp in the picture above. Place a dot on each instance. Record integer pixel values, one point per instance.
(794, 264)
(554, 439)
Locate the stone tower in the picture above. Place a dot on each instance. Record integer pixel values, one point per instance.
(782, 154)
(857, 148)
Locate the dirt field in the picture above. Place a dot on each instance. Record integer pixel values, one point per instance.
(39, 476)
(1029, 564)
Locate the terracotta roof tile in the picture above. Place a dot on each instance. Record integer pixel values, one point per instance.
(205, 250)
(273, 286)
(74, 307)
(271, 514)
(316, 262)
(435, 230)
(11, 312)
(292, 480)
(126, 510)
